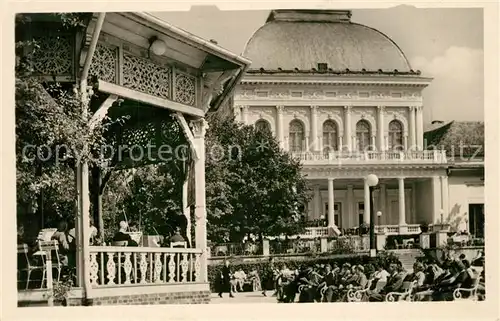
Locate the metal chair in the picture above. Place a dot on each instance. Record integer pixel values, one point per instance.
(31, 266)
(51, 247)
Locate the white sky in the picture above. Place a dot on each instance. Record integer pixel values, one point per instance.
(446, 44)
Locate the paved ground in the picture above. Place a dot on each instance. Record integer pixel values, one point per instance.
(244, 297)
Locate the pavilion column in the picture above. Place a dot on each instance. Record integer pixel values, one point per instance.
(401, 201)
(347, 129)
(82, 225)
(383, 201)
(199, 128)
(317, 202)
(279, 126)
(380, 127)
(185, 207)
(413, 133)
(420, 128)
(314, 145)
(244, 114)
(331, 203)
(366, 211)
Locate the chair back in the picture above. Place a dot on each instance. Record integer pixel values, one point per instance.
(52, 248)
(46, 234)
(22, 250)
(182, 244)
(119, 243)
(409, 285)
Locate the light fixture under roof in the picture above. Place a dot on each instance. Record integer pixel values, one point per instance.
(157, 46)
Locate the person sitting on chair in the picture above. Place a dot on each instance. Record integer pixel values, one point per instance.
(177, 238)
(122, 235)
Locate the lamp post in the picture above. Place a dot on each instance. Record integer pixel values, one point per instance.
(372, 181)
(379, 215)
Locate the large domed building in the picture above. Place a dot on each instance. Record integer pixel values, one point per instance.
(302, 40)
(343, 98)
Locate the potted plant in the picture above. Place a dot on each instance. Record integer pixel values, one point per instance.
(424, 227)
(364, 228)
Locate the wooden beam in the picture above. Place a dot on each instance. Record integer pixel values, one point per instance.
(102, 111)
(188, 133)
(123, 92)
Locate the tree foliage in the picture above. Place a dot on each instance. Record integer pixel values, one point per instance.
(252, 186)
(50, 132)
(149, 196)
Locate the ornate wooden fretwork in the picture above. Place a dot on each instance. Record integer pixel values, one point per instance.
(146, 76)
(54, 55)
(105, 63)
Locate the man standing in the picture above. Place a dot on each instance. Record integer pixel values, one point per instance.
(225, 280)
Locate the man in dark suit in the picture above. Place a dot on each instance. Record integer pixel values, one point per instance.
(329, 282)
(225, 280)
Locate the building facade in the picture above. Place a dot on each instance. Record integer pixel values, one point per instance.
(343, 98)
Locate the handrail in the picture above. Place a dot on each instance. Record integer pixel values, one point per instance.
(142, 249)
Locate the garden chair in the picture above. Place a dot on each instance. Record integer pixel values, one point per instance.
(457, 294)
(52, 247)
(31, 265)
(406, 293)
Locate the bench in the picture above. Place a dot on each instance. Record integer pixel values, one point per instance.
(458, 292)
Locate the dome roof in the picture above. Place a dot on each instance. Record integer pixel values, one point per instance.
(304, 38)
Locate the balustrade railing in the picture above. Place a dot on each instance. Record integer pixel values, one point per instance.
(426, 156)
(117, 266)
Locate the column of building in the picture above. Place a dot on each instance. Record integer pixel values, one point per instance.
(401, 202)
(348, 138)
(279, 126)
(412, 133)
(420, 128)
(331, 203)
(244, 114)
(444, 196)
(383, 201)
(380, 127)
(350, 206)
(314, 145)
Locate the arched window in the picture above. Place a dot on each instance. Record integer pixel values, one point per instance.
(262, 125)
(363, 134)
(330, 136)
(396, 135)
(296, 136)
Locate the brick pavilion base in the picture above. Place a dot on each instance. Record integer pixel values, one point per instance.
(130, 295)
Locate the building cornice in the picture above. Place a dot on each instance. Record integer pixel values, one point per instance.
(332, 80)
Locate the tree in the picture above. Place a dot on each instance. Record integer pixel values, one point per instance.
(252, 186)
(50, 134)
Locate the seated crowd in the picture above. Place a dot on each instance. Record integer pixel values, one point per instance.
(429, 281)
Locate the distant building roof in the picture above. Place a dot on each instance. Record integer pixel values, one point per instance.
(462, 140)
(303, 39)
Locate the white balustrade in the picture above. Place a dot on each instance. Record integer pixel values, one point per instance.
(116, 266)
(383, 157)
